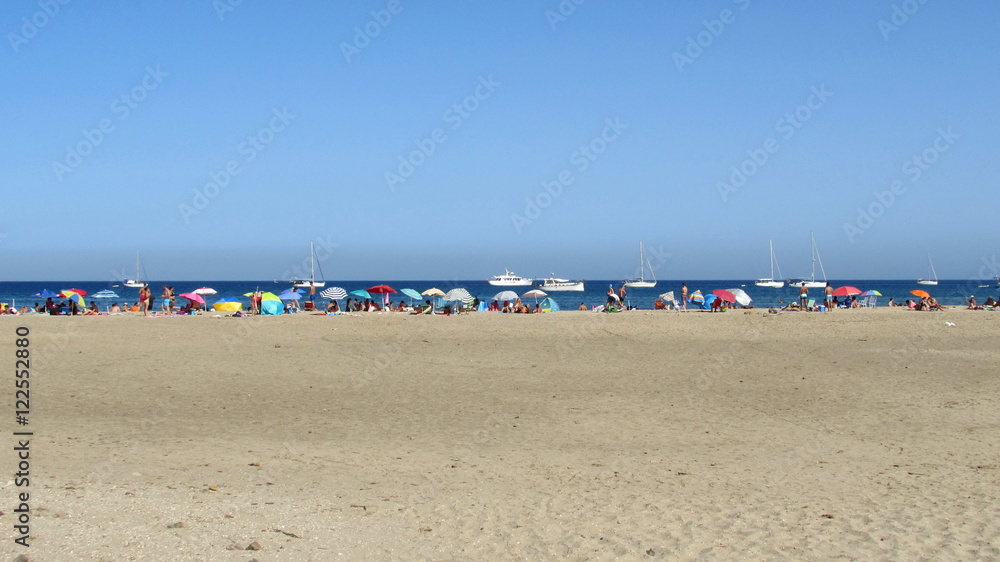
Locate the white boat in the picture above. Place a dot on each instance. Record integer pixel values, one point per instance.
(932, 278)
(311, 282)
(135, 283)
(770, 282)
(555, 284)
(508, 279)
(641, 281)
(811, 283)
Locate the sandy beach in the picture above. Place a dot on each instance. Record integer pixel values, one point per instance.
(862, 435)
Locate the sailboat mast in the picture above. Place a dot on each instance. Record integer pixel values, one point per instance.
(137, 276)
(312, 265)
(642, 265)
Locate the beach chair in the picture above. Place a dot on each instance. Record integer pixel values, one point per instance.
(811, 305)
(309, 306)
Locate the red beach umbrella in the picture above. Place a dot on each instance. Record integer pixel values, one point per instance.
(846, 290)
(381, 289)
(725, 295)
(80, 292)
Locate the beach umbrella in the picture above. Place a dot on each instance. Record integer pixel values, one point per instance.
(505, 296)
(921, 294)
(724, 295)
(381, 289)
(362, 293)
(668, 296)
(872, 293)
(433, 292)
(538, 293)
(290, 296)
(742, 298)
(228, 304)
(105, 294)
(80, 292)
(696, 297)
(193, 297)
(45, 293)
(846, 290)
(333, 293)
(460, 295)
(410, 293)
(204, 291)
(75, 297)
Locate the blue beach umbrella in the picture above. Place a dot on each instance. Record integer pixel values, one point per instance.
(45, 293)
(362, 293)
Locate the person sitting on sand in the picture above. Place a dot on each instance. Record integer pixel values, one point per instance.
(932, 304)
(972, 302)
(115, 309)
(891, 302)
(989, 303)
(583, 307)
(333, 307)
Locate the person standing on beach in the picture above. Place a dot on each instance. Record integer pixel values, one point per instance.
(803, 296)
(621, 294)
(144, 300)
(165, 305)
(684, 296)
(829, 297)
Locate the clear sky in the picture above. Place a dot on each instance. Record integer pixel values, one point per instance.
(415, 140)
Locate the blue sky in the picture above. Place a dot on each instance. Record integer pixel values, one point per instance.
(417, 139)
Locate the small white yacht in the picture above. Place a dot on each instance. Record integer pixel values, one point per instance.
(509, 279)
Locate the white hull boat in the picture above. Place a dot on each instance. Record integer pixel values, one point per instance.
(509, 279)
(554, 284)
(811, 283)
(135, 283)
(311, 282)
(931, 278)
(641, 281)
(770, 281)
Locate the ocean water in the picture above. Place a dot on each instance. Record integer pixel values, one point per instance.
(948, 292)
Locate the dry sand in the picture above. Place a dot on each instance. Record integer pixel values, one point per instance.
(867, 435)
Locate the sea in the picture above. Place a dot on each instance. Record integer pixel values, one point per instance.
(947, 292)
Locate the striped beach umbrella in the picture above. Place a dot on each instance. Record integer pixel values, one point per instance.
(334, 293)
(458, 294)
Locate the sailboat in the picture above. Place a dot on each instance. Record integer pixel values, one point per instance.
(311, 282)
(641, 281)
(811, 283)
(931, 274)
(135, 283)
(770, 282)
